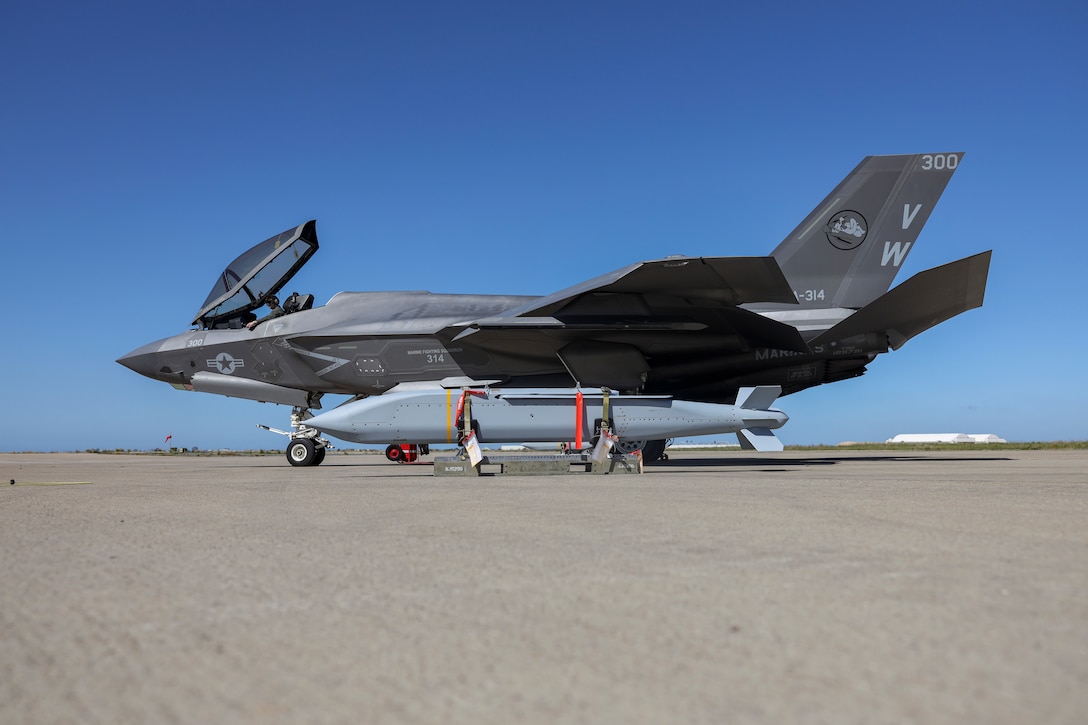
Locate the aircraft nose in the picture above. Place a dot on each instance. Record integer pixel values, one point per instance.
(147, 360)
(139, 361)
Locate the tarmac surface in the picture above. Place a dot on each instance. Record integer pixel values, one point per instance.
(717, 587)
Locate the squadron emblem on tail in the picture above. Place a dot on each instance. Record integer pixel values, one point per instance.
(847, 230)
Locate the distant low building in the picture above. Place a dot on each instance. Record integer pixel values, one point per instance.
(986, 438)
(946, 438)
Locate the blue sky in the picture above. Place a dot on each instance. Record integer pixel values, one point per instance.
(519, 148)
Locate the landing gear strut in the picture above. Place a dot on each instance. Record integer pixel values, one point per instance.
(307, 447)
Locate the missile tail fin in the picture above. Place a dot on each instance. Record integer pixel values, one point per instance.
(759, 439)
(758, 398)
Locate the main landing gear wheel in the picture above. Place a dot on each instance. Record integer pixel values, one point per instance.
(304, 452)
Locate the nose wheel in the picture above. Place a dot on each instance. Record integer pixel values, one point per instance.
(307, 447)
(304, 452)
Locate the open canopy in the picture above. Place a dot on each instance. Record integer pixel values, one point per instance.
(260, 272)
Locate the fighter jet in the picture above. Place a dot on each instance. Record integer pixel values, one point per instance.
(654, 350)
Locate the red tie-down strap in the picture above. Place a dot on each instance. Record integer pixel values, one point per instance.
(460, 413)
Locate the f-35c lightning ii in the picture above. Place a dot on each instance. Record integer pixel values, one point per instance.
(669, 347)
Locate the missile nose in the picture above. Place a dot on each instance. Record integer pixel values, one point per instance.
(333, 422)
(770, 418)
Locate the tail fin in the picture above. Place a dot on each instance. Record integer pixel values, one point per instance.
(847, 252)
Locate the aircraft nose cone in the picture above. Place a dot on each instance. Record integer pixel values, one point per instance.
(147, 360)
(138, 362)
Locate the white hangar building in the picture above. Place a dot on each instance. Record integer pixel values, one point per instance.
(946, 438)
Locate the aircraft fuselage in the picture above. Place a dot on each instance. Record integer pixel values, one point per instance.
(368, 343)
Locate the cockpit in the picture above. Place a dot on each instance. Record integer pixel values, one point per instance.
(259, 273)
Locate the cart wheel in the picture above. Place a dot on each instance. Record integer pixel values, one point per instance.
(654, 451)
(626, 446)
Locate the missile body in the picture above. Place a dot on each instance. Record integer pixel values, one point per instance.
(540, 415)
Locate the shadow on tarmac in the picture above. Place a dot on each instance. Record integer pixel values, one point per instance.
(787, 463)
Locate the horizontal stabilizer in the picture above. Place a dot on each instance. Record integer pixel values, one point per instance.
(759, 439)
(923, 301)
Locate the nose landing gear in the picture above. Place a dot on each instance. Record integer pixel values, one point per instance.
(307, 446)
(304, 452)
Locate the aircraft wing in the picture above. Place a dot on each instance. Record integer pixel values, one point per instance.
(703, 280)
(923, 301)
(681, 294)
(614, 328)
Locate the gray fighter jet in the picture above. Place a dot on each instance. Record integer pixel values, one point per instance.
(657, 349)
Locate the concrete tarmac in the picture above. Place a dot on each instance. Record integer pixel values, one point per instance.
(858, 587)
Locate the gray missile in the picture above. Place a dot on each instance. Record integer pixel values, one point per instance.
(526, 415)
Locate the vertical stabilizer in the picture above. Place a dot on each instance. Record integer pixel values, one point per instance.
(847, 252)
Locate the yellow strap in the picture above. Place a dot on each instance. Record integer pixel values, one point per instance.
(449, 415)
(468, 414)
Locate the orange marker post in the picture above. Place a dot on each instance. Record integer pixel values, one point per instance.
(578, 420)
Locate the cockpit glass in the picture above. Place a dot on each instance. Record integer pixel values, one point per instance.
(257, 273)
